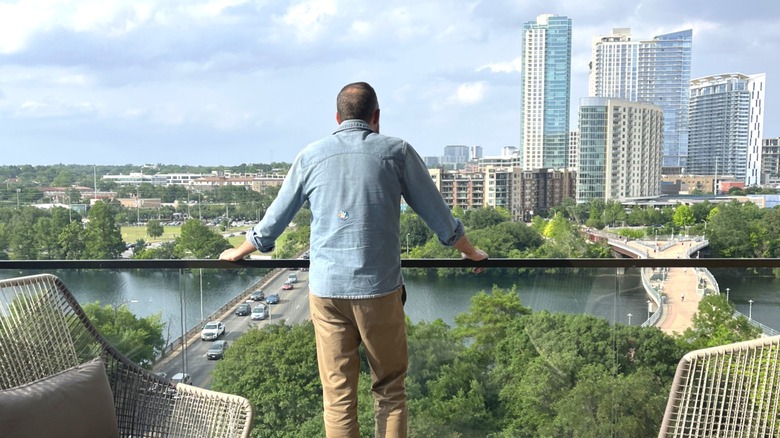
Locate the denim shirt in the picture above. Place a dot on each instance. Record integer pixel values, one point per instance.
(354, 180)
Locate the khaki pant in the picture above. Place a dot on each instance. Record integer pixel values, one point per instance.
(340, 326)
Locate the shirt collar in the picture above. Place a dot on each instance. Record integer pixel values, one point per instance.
(352, 124)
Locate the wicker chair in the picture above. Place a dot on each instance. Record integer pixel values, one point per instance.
(727, 391)
(43, 331)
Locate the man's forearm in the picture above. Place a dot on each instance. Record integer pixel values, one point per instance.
(468, 250)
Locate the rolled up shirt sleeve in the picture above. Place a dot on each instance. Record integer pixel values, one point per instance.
(281, 212)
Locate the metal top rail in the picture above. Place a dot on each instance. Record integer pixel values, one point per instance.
(710, 263)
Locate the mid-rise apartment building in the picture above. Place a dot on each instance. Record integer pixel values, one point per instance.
(459, 188)
(770, 160)
(620, 150)
(535, 192)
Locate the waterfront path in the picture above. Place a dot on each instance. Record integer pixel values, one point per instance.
(679, 285)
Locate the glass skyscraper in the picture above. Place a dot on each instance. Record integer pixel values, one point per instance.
(727, 126)
(656, 71)
(545, 92)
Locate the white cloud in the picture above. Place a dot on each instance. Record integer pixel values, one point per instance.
(18, 21)
(307, 19)
(54, 108)
(469, 94)
(513, 66)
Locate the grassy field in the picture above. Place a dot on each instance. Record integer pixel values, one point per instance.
(131, 234)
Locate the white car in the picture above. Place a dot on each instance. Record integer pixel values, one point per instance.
(260, 312)
(212, 330)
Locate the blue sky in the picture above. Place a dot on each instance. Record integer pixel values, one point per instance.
(224, 82)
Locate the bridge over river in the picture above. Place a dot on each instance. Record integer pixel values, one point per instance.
(681, 289)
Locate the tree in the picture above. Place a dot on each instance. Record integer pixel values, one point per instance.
(276, 369)
(478, 218)
(683, 216)
(103, 235)
(199, 241)
(154, 228)
(71, 241)
(164, 251)
(489, 316)
(733, 230)
(415, 228)
(714, 324)
(603, 405)
(140, 339)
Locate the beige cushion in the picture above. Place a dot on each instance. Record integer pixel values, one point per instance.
(74, 403)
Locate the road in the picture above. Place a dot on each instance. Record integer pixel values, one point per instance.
(292, 308)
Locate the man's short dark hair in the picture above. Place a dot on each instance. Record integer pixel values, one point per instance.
(357, 101)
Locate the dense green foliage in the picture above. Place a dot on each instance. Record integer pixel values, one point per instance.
(502, 371)
(140, 339)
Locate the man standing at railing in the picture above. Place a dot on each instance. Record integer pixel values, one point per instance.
(354, 180)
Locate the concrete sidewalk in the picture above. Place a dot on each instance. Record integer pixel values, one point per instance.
(680, 287)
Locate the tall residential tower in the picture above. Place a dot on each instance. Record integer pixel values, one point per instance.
(727, 126)
(545, 92)
(655, 71)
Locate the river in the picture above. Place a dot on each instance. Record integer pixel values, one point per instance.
(598, 292)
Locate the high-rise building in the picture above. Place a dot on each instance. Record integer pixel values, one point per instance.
(455, 154)
(727, 126)
(655, 71)
(574, 149)
(545, 84)
(620, 149)
(475, 153)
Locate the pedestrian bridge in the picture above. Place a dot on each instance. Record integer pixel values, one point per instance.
(674, 292)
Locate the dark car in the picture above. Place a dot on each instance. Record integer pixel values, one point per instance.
(217, 350)
(272, 299)
(243, 309)
(257, 295)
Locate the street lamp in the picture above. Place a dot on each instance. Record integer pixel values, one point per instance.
(648, 309)
(629, 319)
(407, 243)
(727, 293)
(750, 311)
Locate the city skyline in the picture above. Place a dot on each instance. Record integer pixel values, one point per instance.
(232, 81)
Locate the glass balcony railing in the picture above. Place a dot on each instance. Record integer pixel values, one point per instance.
(528, 347)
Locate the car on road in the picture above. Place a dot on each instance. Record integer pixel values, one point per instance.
(257, 295)
(260, 312)
(217, 350)
(182, 378)
(272, 299)
(212, 330)
(243, 309)
(287, 286)
(292, 278)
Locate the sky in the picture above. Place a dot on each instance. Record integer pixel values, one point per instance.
(225, 82)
